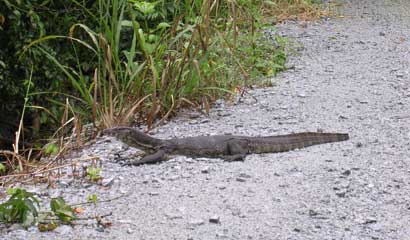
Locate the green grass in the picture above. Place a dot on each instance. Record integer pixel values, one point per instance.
(150, 58)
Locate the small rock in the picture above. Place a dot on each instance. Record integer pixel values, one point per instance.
(236, 211)
(382, 34)
(244, 175)
(63, 183)
(172, 216)
(193, 122)
(32, 229)
(377, 227)
(214, 219)
(341, 194)
(106, 182)
(370, 220)
(399, 75)
(224, 114)
(153, 193)
(205, 170)
(173, 178)
(313, 213)
(240, 179)
(302, 95)
(206, 120)
(197, 222)
(346, 173)
(156, 180)
(194, 115)
(63, 229)
(220, 102)
(129, 230)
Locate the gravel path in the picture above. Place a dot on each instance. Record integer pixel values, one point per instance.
(352, 75)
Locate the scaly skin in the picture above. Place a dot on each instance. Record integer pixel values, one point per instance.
(229, 147)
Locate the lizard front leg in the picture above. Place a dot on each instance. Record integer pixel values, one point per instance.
(158, 156)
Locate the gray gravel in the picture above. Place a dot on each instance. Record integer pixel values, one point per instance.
(350, 75)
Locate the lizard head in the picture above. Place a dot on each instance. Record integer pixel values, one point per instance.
(118, 132)
(132, 137)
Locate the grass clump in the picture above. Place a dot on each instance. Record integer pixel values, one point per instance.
(151, 58)
(21, 207)
(118, 61)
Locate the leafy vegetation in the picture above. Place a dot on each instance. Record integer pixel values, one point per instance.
(64, 212)
(93, 174)
(21, 207)
(118, 61)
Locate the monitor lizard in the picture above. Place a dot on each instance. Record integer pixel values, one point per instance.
(228, 147)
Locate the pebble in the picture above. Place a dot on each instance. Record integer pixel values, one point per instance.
(196, 222)
(173, 178)
(106, 182)
(214, 219)
(346, 173)
(370, 220)
(63, 229)
(244, 175)
(239, 179)
(221, 186)
(205, 170)
(173, 216)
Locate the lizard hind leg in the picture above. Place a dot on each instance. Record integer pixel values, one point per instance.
(236, 151)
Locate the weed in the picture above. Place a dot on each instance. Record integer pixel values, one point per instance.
(153, 57)
(93, 174)
(92, 199)
(2, 168)
(21, 207)
(64, 212)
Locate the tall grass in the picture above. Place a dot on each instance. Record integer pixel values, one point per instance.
(150, 58)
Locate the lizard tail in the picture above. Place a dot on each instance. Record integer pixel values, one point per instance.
(283, 143)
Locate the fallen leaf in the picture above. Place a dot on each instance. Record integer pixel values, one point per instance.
(78, 210)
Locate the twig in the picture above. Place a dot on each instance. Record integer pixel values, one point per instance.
(49, 169)
(79, 218)
(99, 201)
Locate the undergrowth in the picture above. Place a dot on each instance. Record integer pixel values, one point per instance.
(151, 58)
(142, 60)
(136, 61)
(24, 207)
